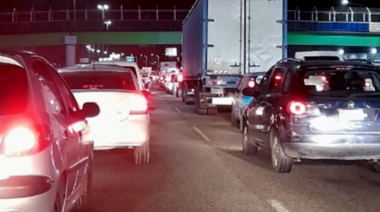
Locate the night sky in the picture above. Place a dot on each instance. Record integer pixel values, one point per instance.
(25, 5)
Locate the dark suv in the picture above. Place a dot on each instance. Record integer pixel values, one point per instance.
(315, 110)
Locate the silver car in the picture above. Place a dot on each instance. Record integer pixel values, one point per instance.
(45, 145)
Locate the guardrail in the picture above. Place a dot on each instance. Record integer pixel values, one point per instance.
(352, 19)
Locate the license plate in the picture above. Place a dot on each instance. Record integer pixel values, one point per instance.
(352, 115)
(217, 90)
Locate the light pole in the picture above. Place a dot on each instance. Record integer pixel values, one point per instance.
(107, 23)
(75, 9)
(146, 59)
(103, 8)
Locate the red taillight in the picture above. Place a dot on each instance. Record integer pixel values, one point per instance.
(251, 84)
(303, 109)
(138, 105)
(22, 141)
(93, 86)
(297, 108)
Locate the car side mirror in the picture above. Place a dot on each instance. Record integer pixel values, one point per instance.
(90, 109)
(249, 91)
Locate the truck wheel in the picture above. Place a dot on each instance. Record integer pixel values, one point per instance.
(248, 148)
(142, 154)
(281, 163)
(212, 111)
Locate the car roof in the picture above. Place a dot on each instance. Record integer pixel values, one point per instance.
(295, 65)
(92, 68)
(119, 63)
(7, 56)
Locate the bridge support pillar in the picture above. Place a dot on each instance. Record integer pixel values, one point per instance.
(70, 42)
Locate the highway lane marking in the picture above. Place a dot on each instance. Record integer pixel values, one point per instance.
(201, 134)
(277, 205)
(177, 110)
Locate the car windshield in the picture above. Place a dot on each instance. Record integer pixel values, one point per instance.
(100, 80)
(340, 83)
(14, 89)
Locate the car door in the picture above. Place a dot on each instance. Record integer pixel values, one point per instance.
(59, 122)
(255, 109)
(269, 102)
(78, 128)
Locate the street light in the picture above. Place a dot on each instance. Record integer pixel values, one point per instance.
(107, 23)
(146, 59)
(347, 2)
(102, 8)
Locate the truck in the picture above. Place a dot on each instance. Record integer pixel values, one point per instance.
(224, 39)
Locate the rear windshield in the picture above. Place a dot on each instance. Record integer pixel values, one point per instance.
(340, 82)
(100, 80)
(13, 89)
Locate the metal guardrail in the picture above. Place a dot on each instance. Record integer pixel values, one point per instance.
(351, 19)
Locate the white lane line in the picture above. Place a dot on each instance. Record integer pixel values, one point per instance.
(201, 134)
(177, 110)
(277, 205)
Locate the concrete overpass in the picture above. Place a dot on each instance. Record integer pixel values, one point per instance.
(66, 31)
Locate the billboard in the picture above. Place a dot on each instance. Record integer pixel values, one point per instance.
(171, 52)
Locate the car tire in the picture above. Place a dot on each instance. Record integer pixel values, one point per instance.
(281, 163)
(142, 154)
(248, 148)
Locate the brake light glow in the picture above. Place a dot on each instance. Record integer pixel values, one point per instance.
(251, 84)
(297, 108)
(180, 78)
(138, 105)
(93, 86)
(301, 109)
(19, 141)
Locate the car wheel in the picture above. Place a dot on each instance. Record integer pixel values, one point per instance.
(281, 163)
(248, 148)
(142, 154)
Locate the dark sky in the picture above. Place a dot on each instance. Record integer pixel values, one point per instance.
(25, 5)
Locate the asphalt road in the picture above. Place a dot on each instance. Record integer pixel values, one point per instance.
(197, 165)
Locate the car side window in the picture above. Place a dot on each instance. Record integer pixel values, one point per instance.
(65, 91)
(264, 82)
(276, 81)
(53, 101)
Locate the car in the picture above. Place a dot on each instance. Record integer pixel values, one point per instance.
(240, 101)
(131, 66)
(46, 150)
(124, 118)
(315, 110)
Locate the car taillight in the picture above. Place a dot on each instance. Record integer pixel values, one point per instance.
(93, 86)
(23, 141)
(302, 109)
(138, 105)
(251, 84)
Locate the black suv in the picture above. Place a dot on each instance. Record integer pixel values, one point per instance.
(314, 110)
